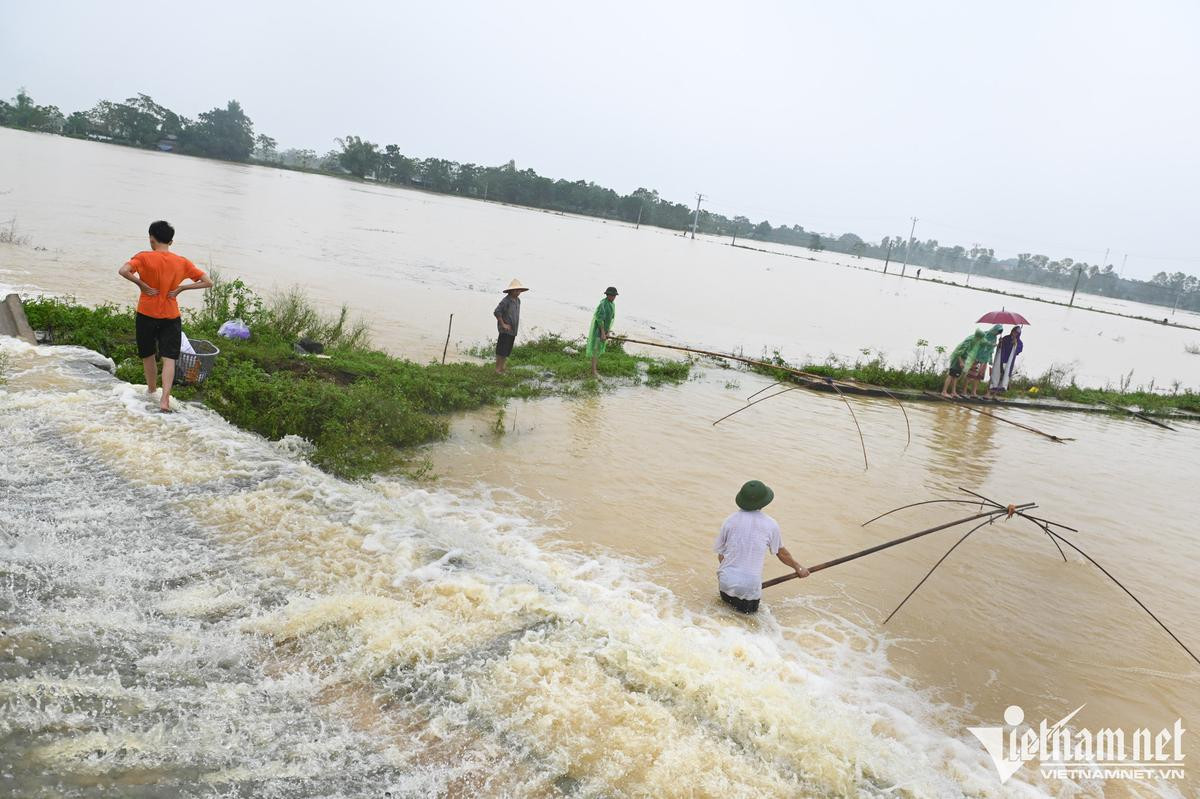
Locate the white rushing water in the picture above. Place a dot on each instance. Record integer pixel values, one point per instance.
(189, 610)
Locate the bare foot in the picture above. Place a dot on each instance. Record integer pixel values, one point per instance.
(947, 396)
(165, 409)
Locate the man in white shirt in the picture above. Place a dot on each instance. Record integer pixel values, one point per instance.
(745, 538)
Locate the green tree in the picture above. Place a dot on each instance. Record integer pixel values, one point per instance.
(436, 174)
(77, 125)
(395, 167)
(358, 157)
(26, 114)
(301, 158)
(466, 179)
(225, 133)
(265, 148)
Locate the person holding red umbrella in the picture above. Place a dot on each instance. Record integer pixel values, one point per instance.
(1009, 348)
(1006, 360)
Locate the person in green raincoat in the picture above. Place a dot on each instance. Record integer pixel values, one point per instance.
(961, 360)
(601, 327)
(983, 356)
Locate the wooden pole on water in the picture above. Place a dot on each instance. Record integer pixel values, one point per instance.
(447, 346)
(738, 358)
(799, 372)
(1078, 274)
(993, 512)
(1138, 415)
(1059, 439)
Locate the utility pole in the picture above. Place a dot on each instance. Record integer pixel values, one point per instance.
(1106, 249)
(638, 226)
(1078, 274)
(696, 215)
(1123, 260)
(908, 249)
(734, 242)
(971, 268)
(888, 259)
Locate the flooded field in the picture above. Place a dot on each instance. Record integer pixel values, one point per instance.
(191, 610)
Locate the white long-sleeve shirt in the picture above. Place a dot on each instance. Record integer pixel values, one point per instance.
(746, 537)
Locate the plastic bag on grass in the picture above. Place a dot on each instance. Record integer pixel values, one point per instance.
(234, 328)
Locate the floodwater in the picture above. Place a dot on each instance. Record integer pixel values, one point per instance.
(190, 610)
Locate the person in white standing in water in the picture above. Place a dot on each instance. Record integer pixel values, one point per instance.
(746, 537)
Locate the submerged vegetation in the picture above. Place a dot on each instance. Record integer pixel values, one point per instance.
(362, 410)
(927, 370)
(9, 234)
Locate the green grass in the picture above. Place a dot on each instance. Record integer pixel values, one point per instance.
(364, 411)
(563, 359)
(926, 372)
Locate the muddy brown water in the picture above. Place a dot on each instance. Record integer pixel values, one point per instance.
(540, 620)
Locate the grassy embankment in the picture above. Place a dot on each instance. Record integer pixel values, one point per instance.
(927, 371)
(362, 410)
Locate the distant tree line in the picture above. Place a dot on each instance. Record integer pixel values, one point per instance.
(227, 133)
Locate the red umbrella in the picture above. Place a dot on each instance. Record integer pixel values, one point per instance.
(1003, 317)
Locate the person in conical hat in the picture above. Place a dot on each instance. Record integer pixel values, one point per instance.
(745, 538)
(508, 316)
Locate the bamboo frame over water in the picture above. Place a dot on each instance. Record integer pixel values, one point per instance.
(996, 510)
(831, 382)
(989, 515)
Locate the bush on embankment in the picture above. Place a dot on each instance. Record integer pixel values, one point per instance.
(362, 409)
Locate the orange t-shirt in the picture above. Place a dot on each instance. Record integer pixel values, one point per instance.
(163, 271)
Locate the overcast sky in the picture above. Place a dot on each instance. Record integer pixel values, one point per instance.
(1055, 127)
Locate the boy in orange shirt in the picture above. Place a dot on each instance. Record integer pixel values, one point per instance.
(159, 273)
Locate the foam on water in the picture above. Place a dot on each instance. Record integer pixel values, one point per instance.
(191, 610)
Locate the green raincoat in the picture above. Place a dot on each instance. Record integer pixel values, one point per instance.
(602, 321)
(988, 347)
(967, 350)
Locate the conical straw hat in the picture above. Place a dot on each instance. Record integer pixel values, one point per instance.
(515, 285)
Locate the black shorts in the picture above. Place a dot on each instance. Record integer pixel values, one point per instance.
(956, 370)
(504, 344)
(740, 605)
(161, 335)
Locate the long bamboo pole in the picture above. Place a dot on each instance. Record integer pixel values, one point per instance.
(739, 359)
(1050, 436)
(449, 327)
(888, 544)
(1138, 415)
(789, 370)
